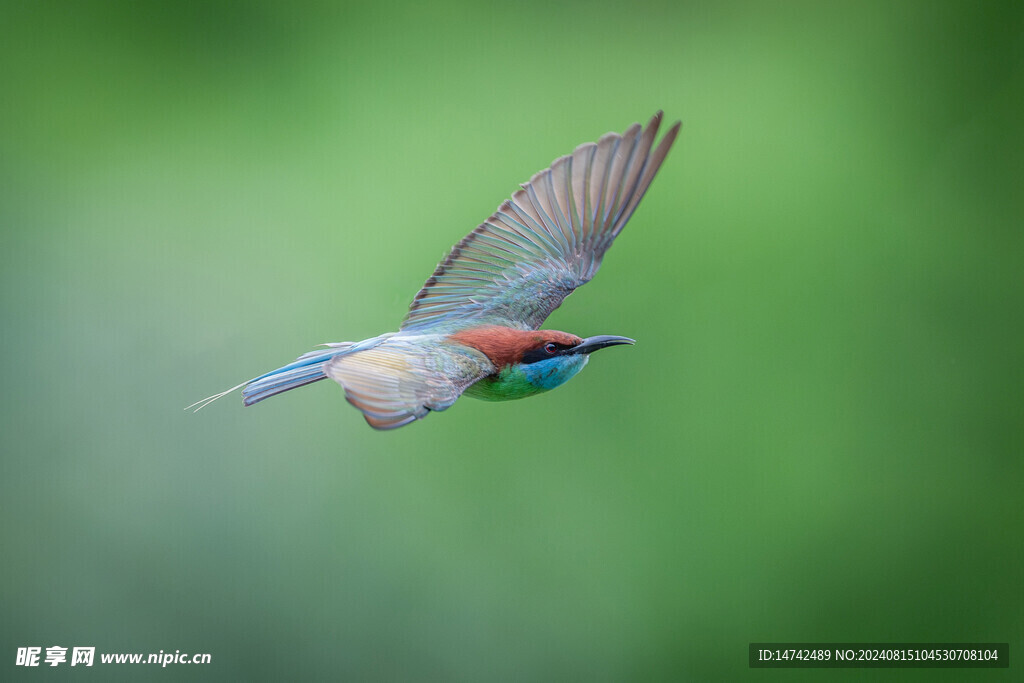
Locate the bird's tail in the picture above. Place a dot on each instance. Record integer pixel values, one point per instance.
(307, 368)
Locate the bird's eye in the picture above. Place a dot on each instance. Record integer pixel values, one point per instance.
(550, 347)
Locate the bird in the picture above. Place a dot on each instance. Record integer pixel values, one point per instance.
(474, 326)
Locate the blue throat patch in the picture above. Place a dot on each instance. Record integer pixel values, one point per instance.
(552, 372)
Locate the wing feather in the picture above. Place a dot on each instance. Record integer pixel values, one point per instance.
(402, 379)
(546, 240)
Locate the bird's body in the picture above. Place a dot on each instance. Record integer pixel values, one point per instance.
(472, 328)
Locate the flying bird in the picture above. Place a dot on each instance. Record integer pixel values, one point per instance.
(474, 327)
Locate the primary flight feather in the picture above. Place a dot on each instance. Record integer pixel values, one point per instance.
(474, 326)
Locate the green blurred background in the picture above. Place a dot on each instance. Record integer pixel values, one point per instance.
(819, 435)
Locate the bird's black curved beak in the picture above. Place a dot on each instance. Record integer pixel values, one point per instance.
(591, 344)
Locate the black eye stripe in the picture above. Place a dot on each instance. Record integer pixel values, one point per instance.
(544, 352)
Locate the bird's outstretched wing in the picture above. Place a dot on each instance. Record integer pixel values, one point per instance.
(547, 240)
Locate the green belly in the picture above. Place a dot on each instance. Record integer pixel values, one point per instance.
(509, 384)
(520, 381)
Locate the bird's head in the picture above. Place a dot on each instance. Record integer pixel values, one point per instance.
(531, 361)
(557, 357)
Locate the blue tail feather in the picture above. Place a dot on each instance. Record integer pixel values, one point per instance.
(308, 368)
(274, 384)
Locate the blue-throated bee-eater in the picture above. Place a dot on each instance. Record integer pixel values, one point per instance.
(473, 327)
